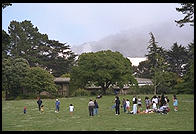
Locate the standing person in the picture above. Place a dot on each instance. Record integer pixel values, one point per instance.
(134, 105)
(39, 102)
(57, 104)
(159, 101)
(117, 102)
(124, 104)
(139, 104)
(96, 107)
(25, 110)
(167, 101)
(162, 101)
(147, 102)
(71, 109)
(128, 106)
(175, 103)
(91, 105)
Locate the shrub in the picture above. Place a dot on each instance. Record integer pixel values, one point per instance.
(81, 92)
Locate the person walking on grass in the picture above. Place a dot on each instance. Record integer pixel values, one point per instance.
(117, 108)
(39, 102)
(175, 103)
(57, 104)
(96, 107)
(91, 106)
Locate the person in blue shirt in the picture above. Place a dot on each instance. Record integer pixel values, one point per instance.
(57, 103)
(96, 107)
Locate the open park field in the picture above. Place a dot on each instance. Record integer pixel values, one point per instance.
(13, 117)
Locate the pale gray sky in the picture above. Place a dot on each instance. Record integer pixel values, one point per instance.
(78, 23)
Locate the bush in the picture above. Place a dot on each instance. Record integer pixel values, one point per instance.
(81, 92)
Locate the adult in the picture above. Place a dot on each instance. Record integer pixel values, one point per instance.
(134, 105)
(117, 107)
(57, 104)
(96, 107)
(39, 102)
(162, 101)
(91, 105)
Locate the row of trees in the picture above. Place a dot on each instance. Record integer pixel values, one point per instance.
(170, 70)
(31, 61)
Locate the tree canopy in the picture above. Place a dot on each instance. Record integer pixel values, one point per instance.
(103, 68)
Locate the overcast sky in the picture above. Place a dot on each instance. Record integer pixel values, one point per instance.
(78, 23)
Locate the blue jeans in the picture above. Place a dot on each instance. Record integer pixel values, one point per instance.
(95, 111)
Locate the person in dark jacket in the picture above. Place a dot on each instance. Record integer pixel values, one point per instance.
(96, 107)
(39, 102)
(117, 107)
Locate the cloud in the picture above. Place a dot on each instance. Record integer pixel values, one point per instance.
(134, 42)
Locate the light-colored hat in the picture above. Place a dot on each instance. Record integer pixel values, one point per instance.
(56, 99)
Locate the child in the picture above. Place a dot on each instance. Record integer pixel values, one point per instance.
(147, 101)
(42, 108)
(154, 106)
(175, 103)
(57, 103)
(25, 110)
(124, 104)
(139, 104)
(71, 109)
(128, 106)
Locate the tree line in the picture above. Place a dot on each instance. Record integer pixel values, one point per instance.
(30, 61)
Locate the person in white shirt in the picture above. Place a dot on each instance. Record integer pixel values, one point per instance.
(154, 106)
(128, 105)
(134, 105)
(71, 109)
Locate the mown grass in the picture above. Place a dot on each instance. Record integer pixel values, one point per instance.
(13, 117)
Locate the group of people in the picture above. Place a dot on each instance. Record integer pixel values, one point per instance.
(156, 104)
(93, 107)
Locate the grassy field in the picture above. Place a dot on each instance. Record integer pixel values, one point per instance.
(13, 117)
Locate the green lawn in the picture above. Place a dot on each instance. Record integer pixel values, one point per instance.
(13, 117)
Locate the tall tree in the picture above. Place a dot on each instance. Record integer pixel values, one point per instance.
(28, 43)
(177, 59)
(4, 5)
(5, 44)
(13, 73)
(103, 68)
(188, 10)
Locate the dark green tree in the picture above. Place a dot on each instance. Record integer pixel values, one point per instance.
(177, 58)
(4, 5)
(188, 10)
(5, 44)
(143, 69)
(103, 68)
(13, 73)
(28, 43)
(38, 80)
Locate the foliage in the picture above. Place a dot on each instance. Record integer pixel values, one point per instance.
(67, 75)
(38, 80)
(104, 68)
(4, 5)
(27, 42)
(188, 10)
(5, 44)
(177, 58)
(81, 92)
(13, 73)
